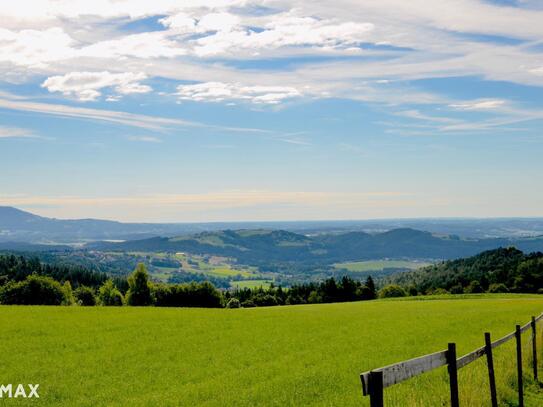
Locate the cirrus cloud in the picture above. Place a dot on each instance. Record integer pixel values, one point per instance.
(484, 104)
(15, 132)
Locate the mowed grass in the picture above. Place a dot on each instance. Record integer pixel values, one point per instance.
(308, 355)
(380, 265)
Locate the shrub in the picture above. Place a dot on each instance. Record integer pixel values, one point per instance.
(109, 295)
(69, 298)
(162, 294)
(139, 287)
(264, 300)
(294, 299)
(233, 303)
(365, 293)
(248, 304)
(187, 295)
(391, 291)
(457, 289)
(498, 288)
(314, 298)
(85, 296)
(474, 287)
(34, 290)
(412, 291)
(439, 291)
(205, 295)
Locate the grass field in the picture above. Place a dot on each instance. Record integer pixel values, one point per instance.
(251, 283)
(380, 265)
(282, 356)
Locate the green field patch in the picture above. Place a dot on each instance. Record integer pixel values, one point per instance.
(228, 272)
(380, 265)
(251, 283)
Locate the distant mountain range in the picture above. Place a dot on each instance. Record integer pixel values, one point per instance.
(262, 247)
(20, 226)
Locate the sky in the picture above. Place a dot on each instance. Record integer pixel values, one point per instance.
(242, 110)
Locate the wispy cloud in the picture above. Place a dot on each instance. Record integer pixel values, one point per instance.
(112, 116)
(145, 139)
(15, 132)
(484, 104)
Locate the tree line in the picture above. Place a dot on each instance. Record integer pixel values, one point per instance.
(329, 290)
(29, 282)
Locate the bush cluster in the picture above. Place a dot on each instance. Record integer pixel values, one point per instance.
(37, 289)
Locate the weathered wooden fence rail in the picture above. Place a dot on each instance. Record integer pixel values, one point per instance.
(375, 381)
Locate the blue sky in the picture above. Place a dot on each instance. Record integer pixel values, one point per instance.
(271, 110)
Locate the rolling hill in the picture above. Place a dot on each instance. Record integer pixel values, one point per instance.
(509, 268)
(263, 246)
(21, 226)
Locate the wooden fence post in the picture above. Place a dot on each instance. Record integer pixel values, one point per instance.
(534, 348)
(376, 389)
(490, 363)
(519, 366)
(453, 373)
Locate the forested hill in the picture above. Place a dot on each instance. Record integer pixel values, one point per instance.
(500, 270)
(262, 246)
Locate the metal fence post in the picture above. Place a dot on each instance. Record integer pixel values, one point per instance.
(534, 348)
(453, 373)
(519, 366)
(376, 389)
(490, 363)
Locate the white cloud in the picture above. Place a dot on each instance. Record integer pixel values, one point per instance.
(87, 86)
(15, 132)
(35, 48)
(40, 10)
(143, 45)
(187, 23)
(283, 30)
(537, 71)
(219, 91)
(437, 42)
(488, 104)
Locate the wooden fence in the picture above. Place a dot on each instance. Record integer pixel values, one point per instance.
(375, 381)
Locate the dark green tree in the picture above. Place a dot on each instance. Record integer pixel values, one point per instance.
(85, 296)
(139, 287)
(371, 288)
(474, 287)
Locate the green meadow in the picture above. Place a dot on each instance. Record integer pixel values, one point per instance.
(251, 283)
(305, 355)
(380, 265)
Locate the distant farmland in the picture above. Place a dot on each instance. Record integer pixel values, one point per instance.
(292, 355)
(380, 265)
